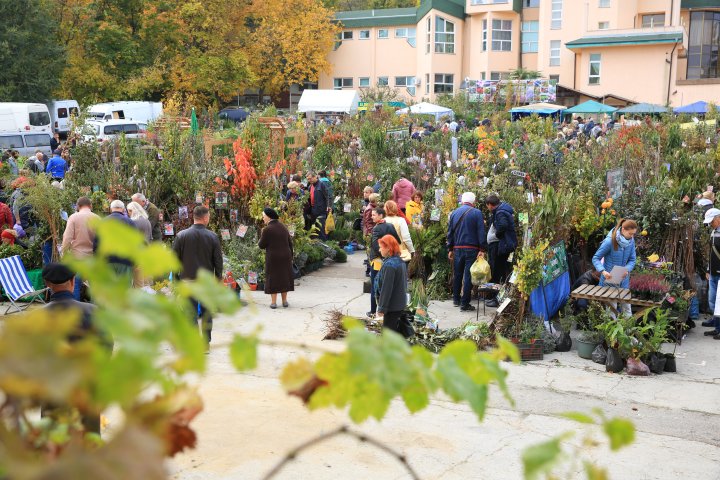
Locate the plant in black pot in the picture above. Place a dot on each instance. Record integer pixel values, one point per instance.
(655, 333)
(620, 343)
(564, 342)
(590, 337)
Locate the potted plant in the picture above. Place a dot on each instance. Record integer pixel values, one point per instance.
(616, 332)
(590, 337)
(656, 333)
(647, 286)
(529, 342)
(564, 342)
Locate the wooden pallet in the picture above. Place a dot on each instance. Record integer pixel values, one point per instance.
(610, 295)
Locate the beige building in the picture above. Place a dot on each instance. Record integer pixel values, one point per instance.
(655, 51)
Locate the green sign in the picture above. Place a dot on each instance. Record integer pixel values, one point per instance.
(556, 263)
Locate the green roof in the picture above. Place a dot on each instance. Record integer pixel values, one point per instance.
(628, 39)
(378, 18)
(385, 17)
(699, 3)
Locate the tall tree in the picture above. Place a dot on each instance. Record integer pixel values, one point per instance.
(289, 41)
(31, 59)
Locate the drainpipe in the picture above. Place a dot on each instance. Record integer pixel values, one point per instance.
(520, 62)
(575, 70)
(672, 56)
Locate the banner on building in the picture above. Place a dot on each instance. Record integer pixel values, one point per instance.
(523, 91)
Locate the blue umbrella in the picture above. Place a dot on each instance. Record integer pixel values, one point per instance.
(697, 107)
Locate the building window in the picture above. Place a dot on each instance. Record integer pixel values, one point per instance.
(484, 36)
(531, 3)
(364, 34)
(429, 35)
(427, 84)
(382, 81)
(497, 76)
(443, 83)
(556, 15)
(364, 82)
(703, 45)
(340, 83)
(347, 35)
(502, 35)
(383, 33)
(594, 77)
(529, 37)
(482, 75)
(653, 20)
(604, 3)
(554, 53)
(407, 82)
(407, 33)
(444, 36)
(603, 25)
(554, 78)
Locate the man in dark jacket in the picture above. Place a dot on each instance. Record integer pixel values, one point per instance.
(197, 247)
(380, 229)
(61, 282)
(501, 239)
(153, 215)
(318, 205)
(466, 242)
(712, 219)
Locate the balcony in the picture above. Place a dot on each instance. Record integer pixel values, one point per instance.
(628, 37)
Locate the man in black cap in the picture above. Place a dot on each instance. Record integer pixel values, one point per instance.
(197, 247)
(61, 282)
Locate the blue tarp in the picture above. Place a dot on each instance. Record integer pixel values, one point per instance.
(546, 301)
(697, 107)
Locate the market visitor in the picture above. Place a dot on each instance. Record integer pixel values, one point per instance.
(402, 192)
(275, 239)
(591, 277)
(55, 141)
(414, 209)
(318, 205)
(199, 248)
(6, 217)
(293, 191)
(706, 201)
(323, 176)
(8, 236)
(138, 215)
(122, 266)
(57, 166)
(79, 237)
(367, 191)
(391, 284)
(380, 229)
(393, 216)
(368, 223)
(501, 240)
(153, 215)
(617, 250)
(61, 282)
(712, 219)
(466, 242)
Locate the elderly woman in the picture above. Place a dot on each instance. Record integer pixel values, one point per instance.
(275, 239)
(138, 215)
(391, 284)
(293, 191)
(393, 217)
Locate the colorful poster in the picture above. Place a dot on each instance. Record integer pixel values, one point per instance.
(225, 234)
(522, 91)
(221, 200)
(183, 213)
(168, 229)
(242, 231)
(347, 208)
(233, 216)
(199, 197)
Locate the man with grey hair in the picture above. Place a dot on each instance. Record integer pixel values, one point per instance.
(153, 215)
(122, 266)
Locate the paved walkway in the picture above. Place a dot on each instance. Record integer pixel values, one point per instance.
(249, 423)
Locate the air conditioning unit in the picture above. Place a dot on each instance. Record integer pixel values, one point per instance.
(418, 82)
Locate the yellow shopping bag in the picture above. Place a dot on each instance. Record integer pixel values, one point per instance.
(329, 223)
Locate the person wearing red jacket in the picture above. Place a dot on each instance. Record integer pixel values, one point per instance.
(402, 192)
(6, 217)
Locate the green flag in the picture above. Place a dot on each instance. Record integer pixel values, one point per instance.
(194, 127)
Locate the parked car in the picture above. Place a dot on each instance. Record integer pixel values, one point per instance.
(19, 117)
(138, 111)
(26, 143)
(101, 131)
(61, 112)
(233, 114)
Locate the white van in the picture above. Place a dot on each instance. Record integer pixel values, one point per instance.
(138, 111)
(101, 131)
(61, 112)
(26, 143)
(18, 117)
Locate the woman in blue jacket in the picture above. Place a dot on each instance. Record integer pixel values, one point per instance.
(618, 249)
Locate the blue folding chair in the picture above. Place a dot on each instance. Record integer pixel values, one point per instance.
(15, 282)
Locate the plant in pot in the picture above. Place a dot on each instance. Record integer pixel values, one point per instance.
(655, 333)
(616, 332)
(564, 342)
(590, 337)
(647, 286)
(529, 341)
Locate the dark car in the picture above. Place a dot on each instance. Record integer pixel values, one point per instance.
(236, 115)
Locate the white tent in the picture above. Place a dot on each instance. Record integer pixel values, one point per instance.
(335, 101)
(424, 108)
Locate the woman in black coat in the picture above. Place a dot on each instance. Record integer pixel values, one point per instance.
(276, 241)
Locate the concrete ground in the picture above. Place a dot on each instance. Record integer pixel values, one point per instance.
(249, 423)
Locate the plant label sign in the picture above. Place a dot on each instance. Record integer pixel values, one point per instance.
(242, 231)
(347, 208)
(614, 180)
(518, 173)
(169, 229)
(225, 234)
(435, 215)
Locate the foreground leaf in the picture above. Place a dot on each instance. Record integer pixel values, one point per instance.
(620, 431)
(243, 352)
(540, 458)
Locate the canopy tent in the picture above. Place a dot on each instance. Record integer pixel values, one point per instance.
(335, 101)
(697, 107)
(424, 108)
(643, 109)
(591, 106)
(542, 109)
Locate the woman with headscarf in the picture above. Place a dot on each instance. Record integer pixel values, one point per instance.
(138, 215)
(275, 239)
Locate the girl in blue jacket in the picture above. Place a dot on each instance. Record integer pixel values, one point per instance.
(618, 249)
